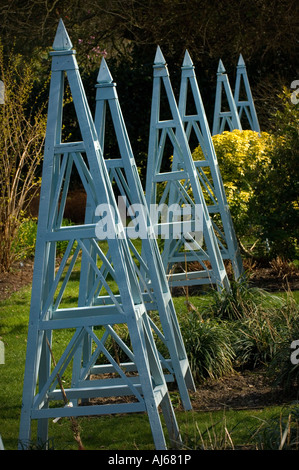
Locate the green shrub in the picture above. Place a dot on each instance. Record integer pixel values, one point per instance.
(255, 340)
(260, 177)
(261, 336)
(241, 301)
(257, 331)
(24, 244)
(275, 203)
(208, 346)
(241, 155)
(259, 326)
(282, 369)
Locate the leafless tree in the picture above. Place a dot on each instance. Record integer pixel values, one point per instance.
(22, 131)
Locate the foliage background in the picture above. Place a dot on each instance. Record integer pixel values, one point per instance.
(130, 30)
(127, 32)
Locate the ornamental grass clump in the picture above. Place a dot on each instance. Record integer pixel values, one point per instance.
(244, 328)
(208, 346)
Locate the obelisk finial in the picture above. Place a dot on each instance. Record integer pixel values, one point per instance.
(104, 75)
(62, 41)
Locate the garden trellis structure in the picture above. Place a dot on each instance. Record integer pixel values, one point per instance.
(52, 320)
(195, 123)
(125, 179)
(240, 110)
(228, 117)
(175, 184)
(243, 97)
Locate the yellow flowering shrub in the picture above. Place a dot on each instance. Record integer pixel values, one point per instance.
(241, 156)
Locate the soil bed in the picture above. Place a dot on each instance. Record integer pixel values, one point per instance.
(19, 276)
(246, 390)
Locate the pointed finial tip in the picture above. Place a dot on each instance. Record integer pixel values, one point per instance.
(187, 60)
(104, 75)
(159, 58)
(241, 61)
(62, 41)
(221, 68)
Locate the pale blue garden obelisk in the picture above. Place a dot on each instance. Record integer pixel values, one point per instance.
(60, 317)
(208, 170)
(227, 119)
(245, 105)
(173, 183)
(126, 182)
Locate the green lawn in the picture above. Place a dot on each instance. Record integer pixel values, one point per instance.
(126, 432)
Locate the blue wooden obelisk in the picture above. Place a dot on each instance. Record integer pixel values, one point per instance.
(224, 119)
(126, 182)
(175, 185)
(208, 169)
(245, 105)
(62, 315)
